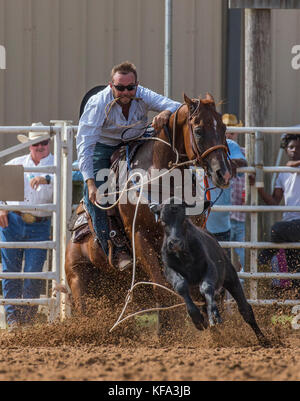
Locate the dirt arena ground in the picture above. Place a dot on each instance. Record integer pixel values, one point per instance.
(84, 349)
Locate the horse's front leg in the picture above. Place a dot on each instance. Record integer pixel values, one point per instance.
(150, 263)
(73, 265)
(181, 286)
(77, 295)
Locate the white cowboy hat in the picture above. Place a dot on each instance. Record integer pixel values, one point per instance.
(230, 119)
(32, 134)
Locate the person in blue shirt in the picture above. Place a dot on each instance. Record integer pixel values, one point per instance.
(122, 104)
(76, 175)
(218, 223)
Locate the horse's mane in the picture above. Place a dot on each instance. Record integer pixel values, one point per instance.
(206, 111)
(206, 101)
(209, 101)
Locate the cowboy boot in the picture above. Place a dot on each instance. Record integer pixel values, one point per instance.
(119, 255)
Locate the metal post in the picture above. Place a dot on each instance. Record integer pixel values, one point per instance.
(65, 204)
(259, 182)
(55, 304)
(168, 48)
(65, 310)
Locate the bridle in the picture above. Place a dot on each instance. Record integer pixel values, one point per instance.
(198, 156)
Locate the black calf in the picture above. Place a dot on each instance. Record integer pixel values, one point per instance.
(192, 256)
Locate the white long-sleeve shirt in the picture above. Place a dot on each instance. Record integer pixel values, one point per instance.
(44, 193)
(290, 185)
(95, 127)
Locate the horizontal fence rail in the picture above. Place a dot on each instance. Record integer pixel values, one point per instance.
(264, 130)
(24, 301)
(29, 245)
(37, 276)
(29, 208)
(260, 245)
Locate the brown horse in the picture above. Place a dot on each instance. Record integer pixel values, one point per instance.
(197, 133)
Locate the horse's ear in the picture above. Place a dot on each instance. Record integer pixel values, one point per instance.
(190, 103)
(187, 100)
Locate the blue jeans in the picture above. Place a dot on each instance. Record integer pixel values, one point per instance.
(101, 160)
(238, 234)
(18, 230)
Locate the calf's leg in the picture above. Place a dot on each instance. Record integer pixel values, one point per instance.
(234, 287)
(207, 289)
(181, 286)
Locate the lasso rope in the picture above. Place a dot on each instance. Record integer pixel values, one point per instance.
(141, 185)
(128, 296)
(127, 299)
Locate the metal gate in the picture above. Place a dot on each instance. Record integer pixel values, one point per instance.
(256, 165)
(62, 170)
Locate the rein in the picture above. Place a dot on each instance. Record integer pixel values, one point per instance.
(197, 155)
(201, 156)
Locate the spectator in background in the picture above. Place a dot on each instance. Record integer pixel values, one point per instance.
(237, 219)
(218, 223)
(76, 175)
(77, 184)
(19, 226)
(287, 186)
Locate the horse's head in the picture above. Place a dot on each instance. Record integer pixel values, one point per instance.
(206, 136)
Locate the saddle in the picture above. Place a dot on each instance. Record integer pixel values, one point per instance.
(79, 224)
(118, 245)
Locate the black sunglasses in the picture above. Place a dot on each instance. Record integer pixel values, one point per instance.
(121, 88)
(43, 143)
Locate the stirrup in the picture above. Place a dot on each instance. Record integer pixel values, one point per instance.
(119, 258)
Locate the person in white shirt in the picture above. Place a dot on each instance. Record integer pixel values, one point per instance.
(122, 104)
(287, 186)
(19, 226)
